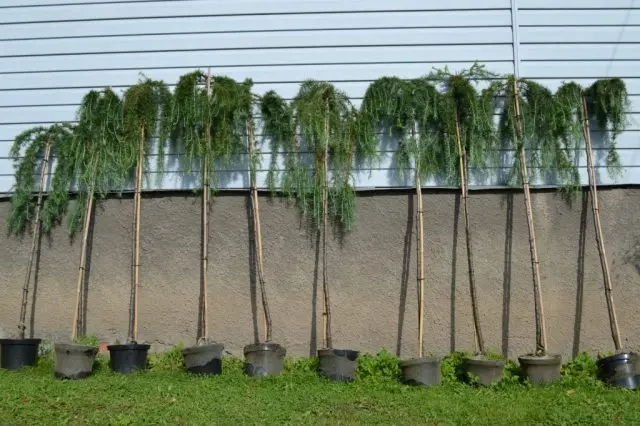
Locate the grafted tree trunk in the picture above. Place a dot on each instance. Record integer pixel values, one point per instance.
(593, 188)
(133, 319)
(37, 228)
(541, 336)
(420, 248)
(328, 341)
(88, 216)
(464, 193)
(257, 234)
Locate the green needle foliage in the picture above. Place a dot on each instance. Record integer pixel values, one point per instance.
(96, 162)
(325, 115)
(146, 113)
(209, 128)
(34, 142)
(473, 112)
(407, 110)
(548, 149)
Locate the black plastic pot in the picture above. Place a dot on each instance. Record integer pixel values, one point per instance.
(264, 359)
(338, 364)
(541, 370)
(128, 358)
(18, 353)
(74, 361)
(421, 371)
(620, 370)
(487, 371)
(204, 359)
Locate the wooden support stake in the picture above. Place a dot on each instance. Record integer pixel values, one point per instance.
(420, 257)
(328, 341)
(34, 242)
(83, 260)
(593, 187)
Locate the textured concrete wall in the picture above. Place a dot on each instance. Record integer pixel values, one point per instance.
(372, 275)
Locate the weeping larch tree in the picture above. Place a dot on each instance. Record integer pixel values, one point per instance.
(529, 128)
(407, 110)
(605, 101)
(208, 122)
(40, 144)
(329, 124)
(146, 112)
(94, 164)
(466, 137)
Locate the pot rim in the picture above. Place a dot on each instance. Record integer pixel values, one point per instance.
(265, 346)
(75, 347)
(20, 341)
(203, 348)
(548, 359)
(327, 351)
(622, 356)
(129, 347)
(418, 361)
(485, 362)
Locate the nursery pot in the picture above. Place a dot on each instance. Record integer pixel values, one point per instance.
(74, 361)
(488, 371)
(128, 358)
(18, 353)
(264, 359)
(204, 359)
(620, 370)
(541, 370)
(421, 371)
(338, 364)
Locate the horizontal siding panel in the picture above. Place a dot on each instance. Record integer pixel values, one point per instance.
(577, 52)
(279, 73)
(237, 24)
(256, 41)
(580, 69)
(354, 90)
(580, 35)
(573, 4)
(131, 10)
(633, 84)
(290, 56)
(563, 18)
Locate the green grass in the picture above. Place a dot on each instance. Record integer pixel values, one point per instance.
(170, 396)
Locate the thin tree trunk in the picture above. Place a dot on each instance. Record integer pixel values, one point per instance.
(133, 324)
(34, 242)
(420, 254)
(204, 325)
(613, 321)
(464, 192)
(325, 211)
(83, 259)
(257, 229)
(541, 336)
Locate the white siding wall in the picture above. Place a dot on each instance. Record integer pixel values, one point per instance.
(53, 51)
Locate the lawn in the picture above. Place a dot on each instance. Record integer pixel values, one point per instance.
(298, 397)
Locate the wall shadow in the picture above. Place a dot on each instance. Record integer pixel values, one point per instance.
(454, 269)
(406, 264)
(313, 344)
(253, 272)
(506, 275)
(577, 325)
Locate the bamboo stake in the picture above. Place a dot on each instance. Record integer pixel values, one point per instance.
(34, 242)
(136, 266)
(255, 205)
(541, 336)
(205, 226)
(420, 260)
(83, 259)
(593, 187)
(464, 192)
(325, 210)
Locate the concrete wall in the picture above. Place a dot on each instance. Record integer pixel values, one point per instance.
(372, 275)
